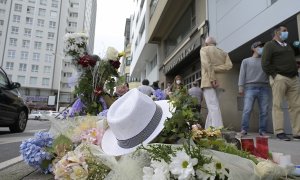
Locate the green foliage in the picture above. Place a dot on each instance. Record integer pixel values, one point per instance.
(160, 152)
(223, 146)
(185, 115)
(101, 76)
(61, 145)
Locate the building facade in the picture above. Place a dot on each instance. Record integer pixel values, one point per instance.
(176, 31)
(31, 41)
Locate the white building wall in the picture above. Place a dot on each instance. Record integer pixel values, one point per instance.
(142, 52)
(234, 22)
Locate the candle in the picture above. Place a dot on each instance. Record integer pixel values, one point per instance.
(276, 156)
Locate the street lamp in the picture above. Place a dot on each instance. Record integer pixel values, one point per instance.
(59, 81)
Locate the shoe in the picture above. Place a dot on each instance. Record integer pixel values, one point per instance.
(283, 136)
(296, 138)
(243, 133)
(263, 134)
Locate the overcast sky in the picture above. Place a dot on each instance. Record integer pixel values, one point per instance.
(110, 24)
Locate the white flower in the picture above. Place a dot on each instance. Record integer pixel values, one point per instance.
(158, 170)
(148, 173)
(112, 54)
(182, 165)
(268, 169)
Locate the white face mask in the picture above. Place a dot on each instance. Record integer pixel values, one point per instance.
(178, 81)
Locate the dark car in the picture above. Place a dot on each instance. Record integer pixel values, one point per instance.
(13, 110)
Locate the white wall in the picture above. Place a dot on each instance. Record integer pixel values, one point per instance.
(234, 22)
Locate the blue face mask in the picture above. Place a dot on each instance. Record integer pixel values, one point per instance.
(260, 50)
(284, 35)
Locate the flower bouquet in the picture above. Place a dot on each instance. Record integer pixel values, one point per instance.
(97, 79)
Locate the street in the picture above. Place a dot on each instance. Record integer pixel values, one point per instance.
(9, 143)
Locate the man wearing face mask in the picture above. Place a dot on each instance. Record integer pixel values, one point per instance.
(214, 62)
(279, 63)
(254, 84)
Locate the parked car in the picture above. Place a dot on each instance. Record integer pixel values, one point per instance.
(13, 110)
(35, 115)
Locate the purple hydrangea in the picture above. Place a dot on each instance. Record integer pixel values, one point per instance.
(159, 95)
(33, 151)
(103, 113)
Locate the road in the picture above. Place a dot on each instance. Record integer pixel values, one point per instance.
(10, 143)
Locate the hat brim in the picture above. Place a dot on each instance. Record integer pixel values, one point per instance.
(110, 143)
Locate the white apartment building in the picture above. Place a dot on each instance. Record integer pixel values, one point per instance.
(31, 41)
(175, 31)
(144, 64)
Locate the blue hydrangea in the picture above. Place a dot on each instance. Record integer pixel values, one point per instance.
(159, 95)
(33, 151)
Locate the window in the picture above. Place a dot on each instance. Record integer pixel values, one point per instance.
(153, 63)
(27, 32)
(3, 1)
(38, 33)
(50, 35)
(34, 68)
(54, 4)
(128, 61)
(48, 58)
(25, 43)
(14, 30)
(18, 7)
(21, 79)
(49, 47)
(153, 5)
(45, 81)
(13, 41)
(24, 55)
(29, 20)
(2, 11)
(11, 54)
(22, 67)
(31, 1)
(9, 66)
(40, 22)
(33, 80)
(30, 10)
(36, 56)
(53, 14)
(73, 24)
(37, 45)
(16, 18)
(73, 14)
(52, 24)
(68, 74)
(1, 22)
(42, 12)
(74, 5)
(180, 30)
(43, 2)
(47, 69)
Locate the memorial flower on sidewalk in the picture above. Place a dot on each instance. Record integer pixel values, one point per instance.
(34, 152)
(182, 165)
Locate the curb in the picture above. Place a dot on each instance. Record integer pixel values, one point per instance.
(10, 162)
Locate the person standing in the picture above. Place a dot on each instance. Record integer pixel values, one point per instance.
(158, 93)
(177, 84)
(145, 88)
(279, 63)
(196, 92)
(214, 61)
(253, 84)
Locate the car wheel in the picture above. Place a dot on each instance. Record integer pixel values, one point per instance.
(20, 124)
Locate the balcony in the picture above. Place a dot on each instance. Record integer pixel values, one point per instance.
(163, 18)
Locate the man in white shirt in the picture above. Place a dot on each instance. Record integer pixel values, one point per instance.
(145, 88)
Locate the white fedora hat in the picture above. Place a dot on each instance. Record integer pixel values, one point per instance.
(133, 119)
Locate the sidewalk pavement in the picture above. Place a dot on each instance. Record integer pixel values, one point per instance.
(21, 170)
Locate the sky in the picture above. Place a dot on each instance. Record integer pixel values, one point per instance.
(110, 24)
